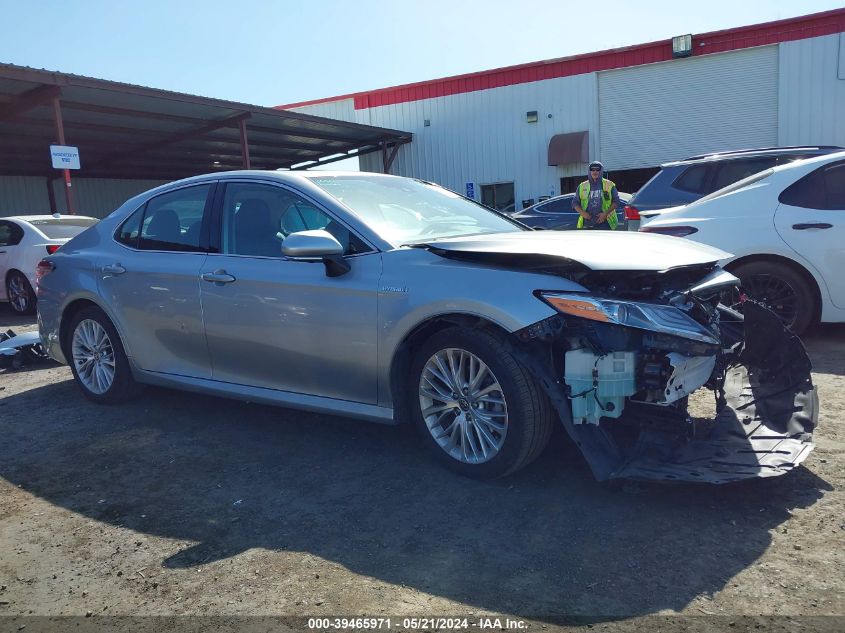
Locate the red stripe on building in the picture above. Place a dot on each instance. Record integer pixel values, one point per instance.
(803, 27)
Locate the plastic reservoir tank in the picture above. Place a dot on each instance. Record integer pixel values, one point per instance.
(600, 383)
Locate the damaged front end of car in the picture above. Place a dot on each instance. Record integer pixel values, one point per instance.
(620, 363)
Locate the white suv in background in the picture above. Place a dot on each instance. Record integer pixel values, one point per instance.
(786, 230)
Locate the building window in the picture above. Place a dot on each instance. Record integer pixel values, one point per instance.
(498, 196)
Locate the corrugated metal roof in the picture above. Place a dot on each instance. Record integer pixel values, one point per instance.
(790, 29)
(129, 131)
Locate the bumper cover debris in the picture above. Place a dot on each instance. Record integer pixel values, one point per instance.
(18, 350)
(766, 412)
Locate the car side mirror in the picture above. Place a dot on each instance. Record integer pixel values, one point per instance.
(317, 245)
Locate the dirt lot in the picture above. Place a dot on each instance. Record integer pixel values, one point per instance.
(181, 504)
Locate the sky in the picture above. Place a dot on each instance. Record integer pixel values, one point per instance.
(278, 52)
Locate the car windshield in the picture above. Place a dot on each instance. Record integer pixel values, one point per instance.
(406, 211)
(61, 228)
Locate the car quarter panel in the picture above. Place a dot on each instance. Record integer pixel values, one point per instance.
(417, 286)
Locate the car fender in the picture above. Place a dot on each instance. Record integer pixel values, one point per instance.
(500, 296)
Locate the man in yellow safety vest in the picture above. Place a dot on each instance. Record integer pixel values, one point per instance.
(596, 200)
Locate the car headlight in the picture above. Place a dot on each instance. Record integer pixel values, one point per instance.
(644, 316)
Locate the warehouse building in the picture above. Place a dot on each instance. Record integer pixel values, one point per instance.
(511, 136)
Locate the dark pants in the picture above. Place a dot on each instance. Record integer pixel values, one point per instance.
(604, 226)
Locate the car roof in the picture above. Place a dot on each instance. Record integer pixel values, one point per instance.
(31, 218)
(813, 160)
(282, 175)
(752, 153)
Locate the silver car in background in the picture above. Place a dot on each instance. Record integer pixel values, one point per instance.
(393, 300)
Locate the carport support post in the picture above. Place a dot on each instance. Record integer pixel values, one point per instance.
(51, 196)
(60, 133)
(244, 143)
(388, 158)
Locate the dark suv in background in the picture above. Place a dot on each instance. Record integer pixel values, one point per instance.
(684, 181)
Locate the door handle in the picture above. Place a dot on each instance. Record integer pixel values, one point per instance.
(219, 277)
(817, 225)
(114, 269)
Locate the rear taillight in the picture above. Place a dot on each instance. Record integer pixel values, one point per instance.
(52, 248)
(676, 231)
(631, 213)
(43, 269)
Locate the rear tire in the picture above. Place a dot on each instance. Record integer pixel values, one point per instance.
(97, 358)
(781, 289)
(484, 430)
(20, 294)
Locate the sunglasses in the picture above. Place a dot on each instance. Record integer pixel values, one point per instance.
(594, 169)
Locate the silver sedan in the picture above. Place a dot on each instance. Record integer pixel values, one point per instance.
(394, 300)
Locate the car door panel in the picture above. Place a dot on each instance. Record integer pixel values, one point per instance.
(810, 218)
(282, 323)
(159, 305)
(285, 324)
(152, 280)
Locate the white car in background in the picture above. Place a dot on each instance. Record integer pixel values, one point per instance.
(786, 230)
(24, 241)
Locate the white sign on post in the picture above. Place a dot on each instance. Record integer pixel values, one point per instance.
(65, 156)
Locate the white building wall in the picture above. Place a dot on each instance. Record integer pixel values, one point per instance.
(785, 94)
(483, 137)
(811, 93)
(341, 110)
(656, 113)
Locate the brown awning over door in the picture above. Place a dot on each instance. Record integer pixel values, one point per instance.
(565, 149)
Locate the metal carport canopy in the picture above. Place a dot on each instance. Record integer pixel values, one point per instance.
(128, 131)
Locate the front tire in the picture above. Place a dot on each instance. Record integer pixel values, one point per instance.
(476, 407)
(97, 358)
(20, 294)
(781, 289)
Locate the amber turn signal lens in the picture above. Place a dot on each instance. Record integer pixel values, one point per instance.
(583, 309)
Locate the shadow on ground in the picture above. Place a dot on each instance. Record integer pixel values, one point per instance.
(826, 345)
(9, 319)
(549, 540)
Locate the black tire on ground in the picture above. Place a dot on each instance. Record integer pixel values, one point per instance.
(803, 301)
(530, 417)
(26, 299)
(123, 386)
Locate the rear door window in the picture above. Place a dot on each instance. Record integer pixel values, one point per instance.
(173, 220)
(834, 182)
(733, 171)
(556, 206)
(10, 233)
(807, 193)
(694, 179)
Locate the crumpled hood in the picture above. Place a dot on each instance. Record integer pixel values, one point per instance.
(579, 250)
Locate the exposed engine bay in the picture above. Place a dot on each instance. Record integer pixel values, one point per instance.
(620, 363)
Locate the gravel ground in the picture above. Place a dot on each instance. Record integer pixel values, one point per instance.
(178, 504)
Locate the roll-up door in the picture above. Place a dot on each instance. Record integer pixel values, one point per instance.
(670, 110)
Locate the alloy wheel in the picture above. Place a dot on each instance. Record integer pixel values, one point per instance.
(775, 293)
(93, 356)
(18, 293)
(463, 406)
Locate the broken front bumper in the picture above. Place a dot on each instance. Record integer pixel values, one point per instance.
(766, 412)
